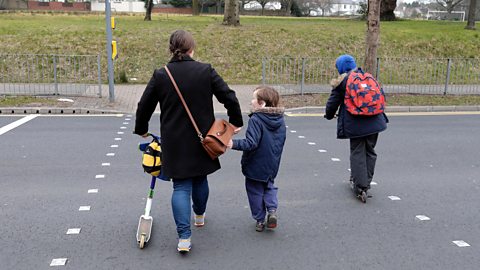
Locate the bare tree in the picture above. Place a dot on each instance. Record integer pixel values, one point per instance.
(471, 15)
(231, 15)
(286, 6)
(263, 3)
(324, 5)
(148, 13)
(195, 8)
(373, 35)
(449, 5)
(386, 10)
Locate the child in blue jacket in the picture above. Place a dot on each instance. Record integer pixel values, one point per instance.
(262, 149)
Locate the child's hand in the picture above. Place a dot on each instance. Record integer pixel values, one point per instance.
(230, 144)
(236, 129)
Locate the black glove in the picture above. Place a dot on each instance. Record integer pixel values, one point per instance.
(326, 117)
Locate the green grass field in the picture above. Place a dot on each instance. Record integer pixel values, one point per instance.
(236, 52)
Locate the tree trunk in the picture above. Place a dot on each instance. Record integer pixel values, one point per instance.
(148, 14)
(195, 9)
(471, 15)
(386, 10)
(231, 16)
(373, 34)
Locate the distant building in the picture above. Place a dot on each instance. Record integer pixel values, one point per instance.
(344, 8)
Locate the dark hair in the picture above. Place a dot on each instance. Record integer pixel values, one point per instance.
(181, 42)
(268, 95)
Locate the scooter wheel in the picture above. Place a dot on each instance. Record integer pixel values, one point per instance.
(141, 244)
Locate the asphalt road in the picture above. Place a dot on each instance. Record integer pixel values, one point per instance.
(432, 163)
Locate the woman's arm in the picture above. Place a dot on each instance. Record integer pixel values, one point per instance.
(146, 106)
(227, 97)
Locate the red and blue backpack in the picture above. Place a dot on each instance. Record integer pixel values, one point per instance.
(363, 94)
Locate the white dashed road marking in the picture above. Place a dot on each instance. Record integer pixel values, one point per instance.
(84, 208)
(322, 150)
(120, 132)
(125, 123)
(461, 243)
(93, 190)
(110, 154)
(105, 164)
(311, 143)
(335, 159)
(114, 146)
(373, 183)
(127, 119)
(58, 262)
(394, 198)
(74, 231)
(123, 127)
(118, 139)
(99, 176)
(293, 131)
(422, 217)
(301, 137)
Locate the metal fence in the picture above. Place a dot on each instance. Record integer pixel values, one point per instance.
(397, 75)
(33, 74)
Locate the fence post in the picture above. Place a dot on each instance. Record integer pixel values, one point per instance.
(263, 70)
(55, 74)
(377, 74)
(448, 77)
(303, 76)
(99, 76)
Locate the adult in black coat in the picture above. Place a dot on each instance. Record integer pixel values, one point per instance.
(184, 160)
(361, 130)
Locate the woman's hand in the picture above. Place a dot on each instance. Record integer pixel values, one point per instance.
(230, 144)
(236, 129)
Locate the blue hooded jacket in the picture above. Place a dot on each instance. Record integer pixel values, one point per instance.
(348, 125)
(263, 144)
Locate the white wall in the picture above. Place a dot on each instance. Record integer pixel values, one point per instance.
(118, 6)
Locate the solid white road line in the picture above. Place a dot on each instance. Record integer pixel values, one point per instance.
(17, 123)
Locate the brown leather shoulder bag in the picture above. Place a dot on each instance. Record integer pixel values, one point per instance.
(219, 134)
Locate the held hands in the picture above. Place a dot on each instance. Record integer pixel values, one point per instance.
(236, 129)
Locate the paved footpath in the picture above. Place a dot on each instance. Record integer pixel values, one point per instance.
(127, 97)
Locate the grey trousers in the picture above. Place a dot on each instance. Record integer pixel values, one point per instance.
(362, 160)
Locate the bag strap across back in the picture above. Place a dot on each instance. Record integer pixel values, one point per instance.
(199, 134)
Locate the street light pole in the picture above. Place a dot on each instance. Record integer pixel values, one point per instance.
(111, 90)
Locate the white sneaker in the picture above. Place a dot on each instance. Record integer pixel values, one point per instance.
(184, 245)
(199, 220)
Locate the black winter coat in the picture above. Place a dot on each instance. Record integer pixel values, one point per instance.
(182, 153)
(348, 125)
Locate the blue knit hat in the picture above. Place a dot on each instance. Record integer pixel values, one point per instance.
(345, 63)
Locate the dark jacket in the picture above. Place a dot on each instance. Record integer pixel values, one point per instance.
(348, 125)
(263, 144)
(182, 153)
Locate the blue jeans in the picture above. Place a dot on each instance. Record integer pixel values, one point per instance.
(183, 189)
(262, 197)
